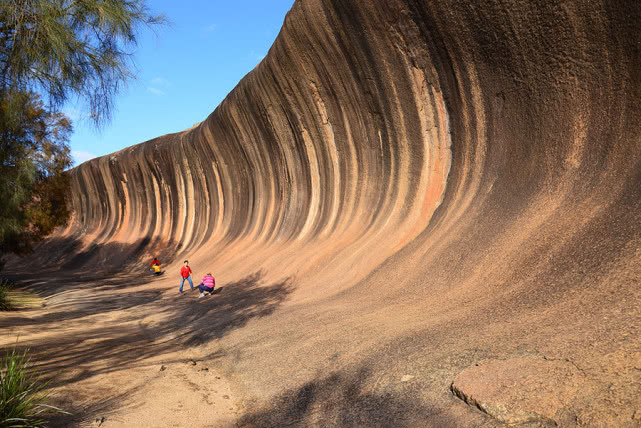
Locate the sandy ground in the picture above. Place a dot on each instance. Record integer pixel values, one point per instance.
(99, 344)
(157, 395)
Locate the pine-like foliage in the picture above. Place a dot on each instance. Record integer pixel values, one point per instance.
(69, 48)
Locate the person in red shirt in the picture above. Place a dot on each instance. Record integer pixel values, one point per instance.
(185, 274)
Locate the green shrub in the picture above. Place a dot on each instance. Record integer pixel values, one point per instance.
(4, 295)
(22, 395)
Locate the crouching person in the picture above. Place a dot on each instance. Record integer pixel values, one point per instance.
(207, 285)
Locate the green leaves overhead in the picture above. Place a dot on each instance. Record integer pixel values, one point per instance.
(69, 48)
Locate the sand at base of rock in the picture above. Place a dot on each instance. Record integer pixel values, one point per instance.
(175, 394)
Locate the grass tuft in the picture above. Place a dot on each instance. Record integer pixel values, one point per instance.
(22, 395)
(11, 299)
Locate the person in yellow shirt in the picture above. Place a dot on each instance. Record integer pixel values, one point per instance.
(155, 266)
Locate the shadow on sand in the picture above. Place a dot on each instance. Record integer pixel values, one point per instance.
(214, 316)
(85, 337)
(94, 323)
(75, 414)
(344, 400)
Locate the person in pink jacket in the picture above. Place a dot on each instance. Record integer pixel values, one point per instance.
(208, 283)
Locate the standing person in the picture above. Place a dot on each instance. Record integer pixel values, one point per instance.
(185, 274)
(208, 283)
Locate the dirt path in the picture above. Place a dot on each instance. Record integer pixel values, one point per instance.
(165, 395)
(117, 355)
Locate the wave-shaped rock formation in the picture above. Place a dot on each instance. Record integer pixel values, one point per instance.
(442, 182)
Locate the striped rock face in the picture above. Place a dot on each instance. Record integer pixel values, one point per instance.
(442, 183)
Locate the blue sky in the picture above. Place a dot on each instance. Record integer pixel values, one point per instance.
(183, 71)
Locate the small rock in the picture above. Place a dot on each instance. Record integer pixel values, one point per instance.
(217, 377)
(521, 390)
(407, 378)
(204, 369)
(566, 418)
(226, 397)
(193, 363)
(163, 368)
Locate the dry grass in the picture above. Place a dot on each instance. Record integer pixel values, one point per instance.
(11, 300)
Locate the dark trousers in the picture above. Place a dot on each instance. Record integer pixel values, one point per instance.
(202, 288)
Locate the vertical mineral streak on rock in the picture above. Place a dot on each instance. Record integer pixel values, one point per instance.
(105, 210)
(126, 220)
(313, 204)
(217, 196)
(207, 189)
(114, 207)
(334, 181)
(148, 223)
(156, 208)
(187, 188)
